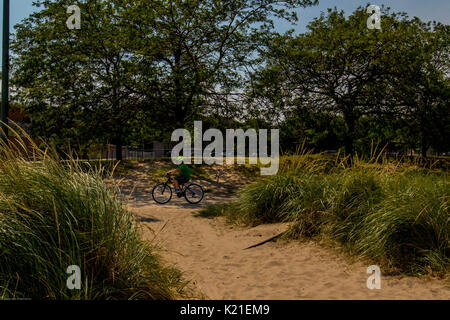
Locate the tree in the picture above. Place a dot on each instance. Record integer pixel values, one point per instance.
(422, 85)
(338, 66)
(200, 49)
(75, 84)
(166, 58)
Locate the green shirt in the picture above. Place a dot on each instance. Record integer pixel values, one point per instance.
(185, 171)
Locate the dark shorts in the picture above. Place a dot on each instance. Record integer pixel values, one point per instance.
(181, 179)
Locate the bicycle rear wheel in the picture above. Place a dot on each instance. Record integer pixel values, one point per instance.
(162, 193)
(193, 193)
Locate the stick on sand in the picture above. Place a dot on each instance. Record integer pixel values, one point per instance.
(267, 240)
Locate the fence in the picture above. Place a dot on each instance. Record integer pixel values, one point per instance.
(108, 152)
(135, 154)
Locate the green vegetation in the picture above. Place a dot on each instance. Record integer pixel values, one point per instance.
(117, 168)
(137, 70)
(338, 85)
(394, 214)
(342, 85)
(54, 214)
(152, 66)
(213, 211)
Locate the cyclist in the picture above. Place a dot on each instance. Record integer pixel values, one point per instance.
(183, 174)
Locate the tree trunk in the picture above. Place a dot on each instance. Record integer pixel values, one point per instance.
(179, 117)
(348, 144)
(118, 142)
(424, 148)
(423, 133)
(119, 155)
(350, 134)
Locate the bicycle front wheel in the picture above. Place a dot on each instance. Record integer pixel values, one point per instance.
(194, 193)
(162, 193)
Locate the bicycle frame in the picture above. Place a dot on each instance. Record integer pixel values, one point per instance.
(190, 196)
(169, 182)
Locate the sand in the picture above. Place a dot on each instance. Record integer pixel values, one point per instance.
(212, 256)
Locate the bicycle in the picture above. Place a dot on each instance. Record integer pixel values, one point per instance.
(162, 192)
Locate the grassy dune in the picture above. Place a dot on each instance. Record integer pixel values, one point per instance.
(395, 214)
(55, 214)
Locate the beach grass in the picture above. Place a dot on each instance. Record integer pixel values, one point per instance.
(394, 213)
(55, 214)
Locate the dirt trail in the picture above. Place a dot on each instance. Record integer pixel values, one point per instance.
(211, 254)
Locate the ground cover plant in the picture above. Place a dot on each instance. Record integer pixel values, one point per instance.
(54, 214)
(393, 213)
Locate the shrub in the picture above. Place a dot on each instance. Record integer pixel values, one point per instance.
(411, 227)
(395, 214)
(357, 192)
(261, 201)
(53, 215)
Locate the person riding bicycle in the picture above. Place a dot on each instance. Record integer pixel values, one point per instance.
(183, 174)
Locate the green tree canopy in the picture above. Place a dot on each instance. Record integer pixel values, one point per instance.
(170, 59)
(345, 69)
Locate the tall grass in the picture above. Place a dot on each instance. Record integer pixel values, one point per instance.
(394, 214)
(55, 214)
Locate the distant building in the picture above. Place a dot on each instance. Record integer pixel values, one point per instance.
(16, 115)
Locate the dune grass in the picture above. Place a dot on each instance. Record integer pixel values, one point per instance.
(118, 168)
(393, 213)
(54, 214)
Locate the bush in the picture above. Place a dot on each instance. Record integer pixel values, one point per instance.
(261, 202)
(356, 193)
(397, 215)
(213, 211)
(307, 207)
(410, 228)
(54, 215)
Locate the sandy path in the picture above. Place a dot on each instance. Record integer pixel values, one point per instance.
(211, 254)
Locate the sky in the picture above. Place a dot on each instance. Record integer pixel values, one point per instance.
(426, 10)
(438, 10)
